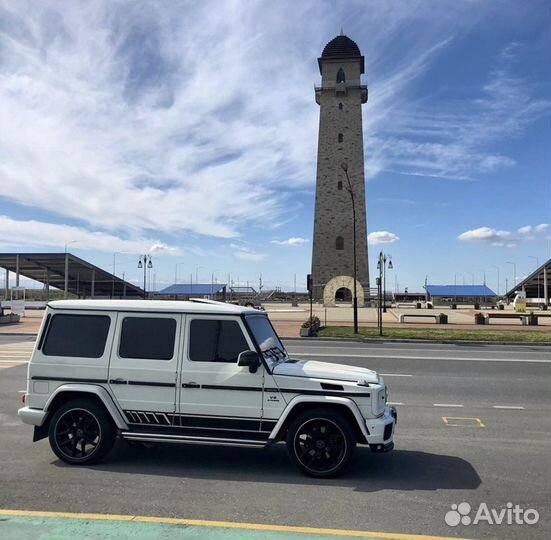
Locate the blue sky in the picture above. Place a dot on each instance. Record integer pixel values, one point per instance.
(188, 130)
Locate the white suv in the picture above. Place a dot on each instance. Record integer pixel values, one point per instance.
(193, 372)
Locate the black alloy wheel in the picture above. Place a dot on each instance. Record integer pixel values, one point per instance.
(81, 432)
(321, 443)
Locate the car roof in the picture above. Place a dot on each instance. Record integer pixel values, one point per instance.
(167, 306)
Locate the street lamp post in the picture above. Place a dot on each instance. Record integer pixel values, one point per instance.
(483, 270)
(66, 276)
(537, 266)
(145, 262)
(514, 271)
(497, 268)
(344, 167)
(385, 257)
(176, 271)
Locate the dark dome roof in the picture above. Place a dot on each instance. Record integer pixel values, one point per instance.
(341, 47)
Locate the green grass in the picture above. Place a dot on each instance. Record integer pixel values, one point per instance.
(523, 335)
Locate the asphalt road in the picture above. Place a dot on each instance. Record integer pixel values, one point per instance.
(500, 452)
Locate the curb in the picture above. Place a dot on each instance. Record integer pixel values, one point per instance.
(437, 341)
(22, 334)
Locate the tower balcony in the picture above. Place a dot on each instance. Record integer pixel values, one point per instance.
(340, 88)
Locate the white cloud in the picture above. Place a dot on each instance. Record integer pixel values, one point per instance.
(382, 237)
(111, 117)
(486, 235)
(542, 227)
(244, 253)
(291, 242)
(15, 233)
(500, 238)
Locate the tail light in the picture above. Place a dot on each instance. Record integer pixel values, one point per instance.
(23, 398)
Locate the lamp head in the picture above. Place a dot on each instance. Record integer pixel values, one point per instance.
(344, 166)
(140, 263)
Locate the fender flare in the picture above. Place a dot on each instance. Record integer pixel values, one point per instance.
(99, 391)
(321, 400)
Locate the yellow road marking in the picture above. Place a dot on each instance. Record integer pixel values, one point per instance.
(449, 421)
(224, 524)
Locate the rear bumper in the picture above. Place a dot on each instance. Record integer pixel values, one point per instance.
(381, 430)
(34, 417)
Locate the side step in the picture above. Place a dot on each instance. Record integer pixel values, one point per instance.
(189, 439)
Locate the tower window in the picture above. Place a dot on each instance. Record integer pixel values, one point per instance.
(339, 243)
(340, 106)
(340, 137)
(339, 185)
(341, 77)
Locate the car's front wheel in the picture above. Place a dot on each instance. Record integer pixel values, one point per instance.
(81, 432)
(321, 442)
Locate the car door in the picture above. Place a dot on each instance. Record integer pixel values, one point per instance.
(143, 367)
(218, 398)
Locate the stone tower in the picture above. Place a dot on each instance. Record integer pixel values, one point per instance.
(340, 98)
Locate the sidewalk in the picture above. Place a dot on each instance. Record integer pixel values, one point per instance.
(287, 323)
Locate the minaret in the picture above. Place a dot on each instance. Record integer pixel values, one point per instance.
(340, 98)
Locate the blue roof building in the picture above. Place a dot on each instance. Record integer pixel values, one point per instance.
(194, 290)
(461, 294)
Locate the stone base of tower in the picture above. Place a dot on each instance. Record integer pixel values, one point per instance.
(344, 284)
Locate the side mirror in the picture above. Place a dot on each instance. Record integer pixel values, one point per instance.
(250, 359)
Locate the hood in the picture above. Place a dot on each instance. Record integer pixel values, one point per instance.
(324, 370)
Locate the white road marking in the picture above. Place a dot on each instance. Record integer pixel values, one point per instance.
(384, 349)
(381, 357)
(515, 407)
(394, 403)
(447, 405)
(395, 375)
(14, 361)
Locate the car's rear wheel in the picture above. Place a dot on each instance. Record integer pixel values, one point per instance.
(81, 432)
(321, 442)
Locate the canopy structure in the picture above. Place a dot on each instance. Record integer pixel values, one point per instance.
(536, 285)
(460, 294)
(190, 290)
(69, 273)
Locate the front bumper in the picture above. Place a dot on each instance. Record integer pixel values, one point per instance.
(381, 430)
(35, 417)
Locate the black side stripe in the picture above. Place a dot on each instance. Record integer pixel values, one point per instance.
(149, 383)
(68, 379)
(285, 390)
(324, 393)
(240, 388)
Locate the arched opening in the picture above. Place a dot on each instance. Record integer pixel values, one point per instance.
(340, 137)
(339, 185)
(340, 282)
(343, 295)
(340, 106)
(341, 77)
(339, 243)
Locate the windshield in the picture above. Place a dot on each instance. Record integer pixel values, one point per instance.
(268, 341)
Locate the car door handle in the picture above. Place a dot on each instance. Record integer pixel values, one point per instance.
(191, 385)
(117, 381)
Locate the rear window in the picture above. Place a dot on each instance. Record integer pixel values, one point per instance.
(150, 338)
(82, 336)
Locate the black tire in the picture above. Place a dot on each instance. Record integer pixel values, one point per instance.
(81, 432)
(321, 442)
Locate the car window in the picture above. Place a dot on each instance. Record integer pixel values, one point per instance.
(82, 336)
(216, 341)
(150, 338)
